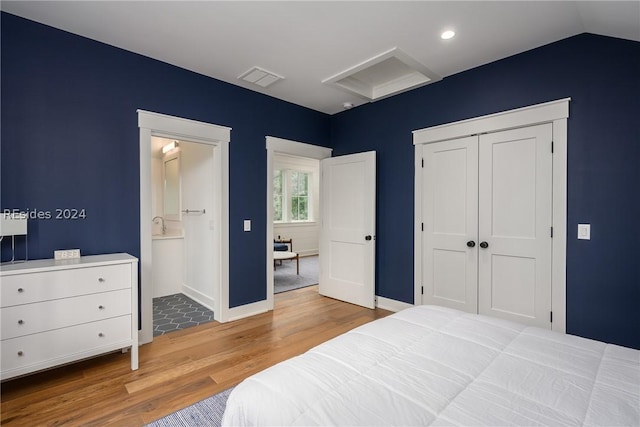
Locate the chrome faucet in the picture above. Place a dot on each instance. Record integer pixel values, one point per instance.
(164, 229)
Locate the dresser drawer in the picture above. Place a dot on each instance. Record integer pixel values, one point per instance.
(46, 349)
(34, 287)
(44, 316)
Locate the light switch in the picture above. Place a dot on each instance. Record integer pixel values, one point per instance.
(584, 231)
(247, 225)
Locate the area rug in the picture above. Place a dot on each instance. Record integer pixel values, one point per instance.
(286, 279)
(207, 412)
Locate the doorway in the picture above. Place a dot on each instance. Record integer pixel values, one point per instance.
(182, 203)
(217, 137)
(296, 229)
(278, 146)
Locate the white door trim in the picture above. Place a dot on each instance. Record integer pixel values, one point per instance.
(294, 148)
(155, 124)
(555, 112)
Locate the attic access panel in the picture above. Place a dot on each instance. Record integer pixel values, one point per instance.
(384, 75)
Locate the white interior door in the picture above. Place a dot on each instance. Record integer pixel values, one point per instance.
(515, 218)
(347, 236)
(450, 221)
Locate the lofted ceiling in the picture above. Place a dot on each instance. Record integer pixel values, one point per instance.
(309, 43)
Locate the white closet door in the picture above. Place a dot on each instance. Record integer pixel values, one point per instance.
(450, 215)
(515, 218)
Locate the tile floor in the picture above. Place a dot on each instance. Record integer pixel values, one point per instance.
(175, 312)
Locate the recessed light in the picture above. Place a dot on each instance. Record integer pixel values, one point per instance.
(446, 35)
(347, 105)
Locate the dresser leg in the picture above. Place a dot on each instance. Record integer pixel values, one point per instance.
(134, 357)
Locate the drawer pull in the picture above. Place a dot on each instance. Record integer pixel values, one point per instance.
(101, 307)
(100, 334)
(20, 290)
(20, 353)
(101, 279)
(20, 322)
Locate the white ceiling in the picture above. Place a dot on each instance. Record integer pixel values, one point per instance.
(307, 42)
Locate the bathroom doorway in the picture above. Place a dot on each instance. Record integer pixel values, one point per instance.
(182, 233)
(215, 138)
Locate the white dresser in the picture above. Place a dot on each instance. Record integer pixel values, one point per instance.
(56, 312)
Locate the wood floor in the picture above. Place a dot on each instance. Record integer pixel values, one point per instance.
(179, 368)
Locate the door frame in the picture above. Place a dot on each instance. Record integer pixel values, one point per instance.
(292, 148)
(161, 125)
(554, 112)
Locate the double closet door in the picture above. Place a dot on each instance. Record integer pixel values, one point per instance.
(487, 217)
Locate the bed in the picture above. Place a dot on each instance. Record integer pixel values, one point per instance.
(430, 365)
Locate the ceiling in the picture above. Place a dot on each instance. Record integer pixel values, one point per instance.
(308, 42)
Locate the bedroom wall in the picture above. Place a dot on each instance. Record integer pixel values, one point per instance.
(600, 74)
(70, 140)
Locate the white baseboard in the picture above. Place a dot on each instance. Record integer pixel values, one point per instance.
(391, 304)
(247, 310)
(198, 296)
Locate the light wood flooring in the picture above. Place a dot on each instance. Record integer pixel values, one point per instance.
(179, 368)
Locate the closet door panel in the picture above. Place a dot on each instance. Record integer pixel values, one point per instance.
(515, 193)
(450, 218)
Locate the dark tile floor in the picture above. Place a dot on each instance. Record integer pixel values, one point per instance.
(175, 312)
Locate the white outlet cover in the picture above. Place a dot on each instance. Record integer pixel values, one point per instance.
(247, 225)
(584, 231)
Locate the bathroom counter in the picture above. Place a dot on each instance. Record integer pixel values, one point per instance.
(166, 236)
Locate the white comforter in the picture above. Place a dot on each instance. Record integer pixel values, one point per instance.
(431, 365)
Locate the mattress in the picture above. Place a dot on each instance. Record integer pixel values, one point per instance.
(430, 365)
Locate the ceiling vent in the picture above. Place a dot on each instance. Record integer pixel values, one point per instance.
(384, 75)
(260, 76)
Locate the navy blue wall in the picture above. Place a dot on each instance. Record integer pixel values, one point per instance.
(600, 75)
(70, 140)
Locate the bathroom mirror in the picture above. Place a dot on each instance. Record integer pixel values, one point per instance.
(172, 196)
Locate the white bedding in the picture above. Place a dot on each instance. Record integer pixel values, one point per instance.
(431, 365)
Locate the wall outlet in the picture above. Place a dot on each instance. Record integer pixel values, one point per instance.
(584, 231)
(66, 254)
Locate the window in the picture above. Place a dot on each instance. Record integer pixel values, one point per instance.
(299, 196)
(291, 195)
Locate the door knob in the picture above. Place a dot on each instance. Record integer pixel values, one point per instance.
(471, 243)
(367, 237)
(484, 245)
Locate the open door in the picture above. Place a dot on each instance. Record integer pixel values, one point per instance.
(347, 235)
